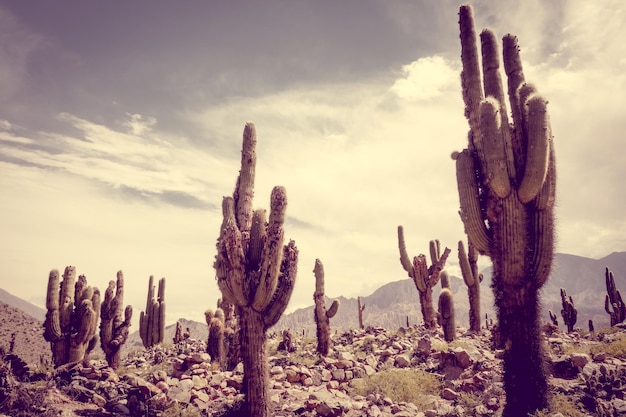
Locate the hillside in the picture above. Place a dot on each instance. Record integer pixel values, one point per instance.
(29, 341)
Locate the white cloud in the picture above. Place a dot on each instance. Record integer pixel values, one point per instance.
(426, 79)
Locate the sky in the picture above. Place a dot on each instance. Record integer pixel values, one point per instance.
(121, 127)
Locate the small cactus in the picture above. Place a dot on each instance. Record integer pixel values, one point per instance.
(613, 303)
(553, 318)
(469, 269)
(152, 320)
(568, 312)
(215, 342)
(72, 317)
(321, 315)
(446, 314)
(424, 277)
(361, 307)
(113, 328)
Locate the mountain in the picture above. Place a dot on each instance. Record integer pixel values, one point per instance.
(28, 308)
(390, 305)
(29, 342)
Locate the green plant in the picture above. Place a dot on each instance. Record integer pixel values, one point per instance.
(506, 181)
(568, 311)
(468, 262)
(72, 317)
(424, 277)
(152, 321)
(255, 272)
(446, 314)
(409, 385)
(320, 314)
(113, 328)
(613, 303)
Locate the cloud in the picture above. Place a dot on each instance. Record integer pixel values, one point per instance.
(426, 79)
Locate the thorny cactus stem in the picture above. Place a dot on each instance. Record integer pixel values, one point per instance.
(255, 272)
(72, 317)
(568, 311)
(424, 277)
(446, 314)
(321, 315)
(361, 307)
(613, 303)
(113, 327)
(506, 179)
(469, 269)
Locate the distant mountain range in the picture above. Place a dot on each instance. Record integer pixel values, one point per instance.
(392, 304)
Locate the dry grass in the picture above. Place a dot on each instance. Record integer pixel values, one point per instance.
(407, 385)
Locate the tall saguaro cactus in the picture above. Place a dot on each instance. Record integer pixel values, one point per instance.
(72, 317)
(469, 269)
(321, 315)
(613, 303)
(425, 277)
(255, 272)
(113, 328)
(506, 180)
(152, 321)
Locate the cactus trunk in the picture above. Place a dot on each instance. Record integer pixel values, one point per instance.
(321, 315)
(113, 328)
(256, 377)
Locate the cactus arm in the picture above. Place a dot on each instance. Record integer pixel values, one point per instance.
(538, 150)
(330, 313)
(244, 191)
(286, 283)
(272, 253)
(496, 173)
(404, 257)
(466, 271)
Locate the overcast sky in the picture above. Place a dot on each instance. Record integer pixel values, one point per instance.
(121, 127)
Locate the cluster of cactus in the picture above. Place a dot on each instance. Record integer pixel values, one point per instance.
(255, 272)
(506, 181)
(469, 269)
(180, 335)
(113, 327)
(72, 314)
(424, 277)
(604, 383)
(360, 307)
(287, 344)
(446, 314)
(322, 316)
(152, 320)
(568, 311)
(613, 303)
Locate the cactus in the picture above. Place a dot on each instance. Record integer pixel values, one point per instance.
(553, 318)
(446, 314)
(568, 312)
(469, 269)
(613, 303)
(152, 321)
(72, 317)
(361, 307)
(321, 315)
(231, 334)
(215, 343)
(506, 181)
(591, 329)
(424, 277)
(255, 272)
(113, 328)
(445, 279)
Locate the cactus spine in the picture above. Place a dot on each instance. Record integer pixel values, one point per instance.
(446, 314)
(424, 277)
(613, 303)
(568, 311)
(255, 272)
(361, 307)
(113, 328)
(506, 181)
(72, 317)
(321, 315)
(469, 269)
(152, 320)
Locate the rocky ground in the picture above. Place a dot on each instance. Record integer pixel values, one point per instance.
(371, 372)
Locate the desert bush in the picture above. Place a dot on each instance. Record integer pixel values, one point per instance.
(616, 348)
(408, 385)
(562, 404)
